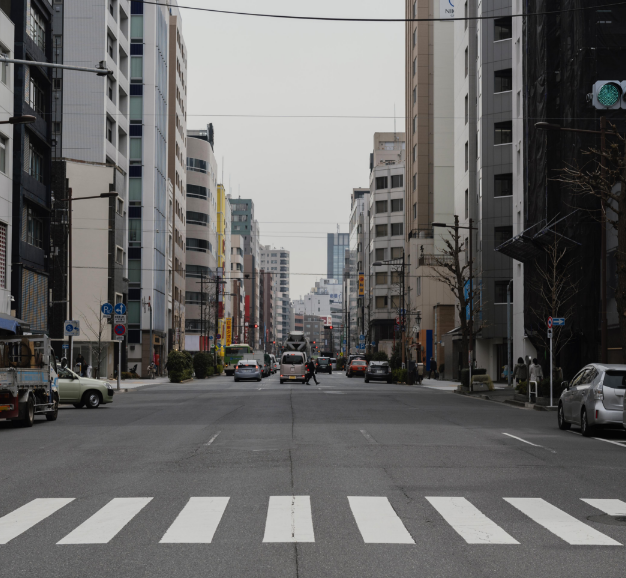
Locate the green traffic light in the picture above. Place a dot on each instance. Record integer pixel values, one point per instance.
(609, 94)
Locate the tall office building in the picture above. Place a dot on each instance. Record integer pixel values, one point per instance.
(358, 260)
(277, 262)
(336, 246)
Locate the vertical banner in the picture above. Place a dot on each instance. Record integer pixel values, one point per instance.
(229, 331)
(361, 284)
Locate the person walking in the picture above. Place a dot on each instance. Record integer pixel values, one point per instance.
(310, 372)
(520, 372)
(433, 368)
(80, 361)
(536, 373)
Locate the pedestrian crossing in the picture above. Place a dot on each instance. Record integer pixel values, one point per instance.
(291, 519)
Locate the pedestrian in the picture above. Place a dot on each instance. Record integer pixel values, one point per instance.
(433, 368)
(420, 373)
(310, 366)
(80, 361)
(520, 372)
(536, 373)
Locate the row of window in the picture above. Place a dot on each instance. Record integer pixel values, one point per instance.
(397, 205)
(396, 182)
(397, 229)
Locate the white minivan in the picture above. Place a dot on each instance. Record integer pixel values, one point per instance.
(293, 366)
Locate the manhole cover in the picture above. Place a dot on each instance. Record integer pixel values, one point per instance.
(609, 520)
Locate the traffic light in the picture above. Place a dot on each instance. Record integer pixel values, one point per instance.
(608, 95)
(256, 325)
(331, 326)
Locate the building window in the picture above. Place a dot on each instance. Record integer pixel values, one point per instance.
(136, 27)
(3, 256)
(502, 235)
(397, 252)
(35, 163)
(136, 67)
(396, 277)
(200, 245)
(466, 156)
(381, 207)
(397, 181)
(197, 192)
(466, 108)
(418, 285)
(381, 230)
(34, 228)
(466, 62)
(4, 141)
(4, 66)
(380, 254)
(119, 255)
(381, 302)
(110, 131)
(381, 183)
(499, 294)
(503, 132)
(397, 229)
(414, 124)
(503, 28)
(35, 96)
(397, 205)
(503, 185)
(119, 206)
(503, 80)
(196, 165)
(467, 203)
(381, 278)
(415, 66)
(195, 218)
(414, 95)
(37, 27)
(465, 14)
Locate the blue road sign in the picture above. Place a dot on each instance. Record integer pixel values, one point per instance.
(361, 337)
(373, 344)
(120, 309)
(558, 322)
(106, 309)
(66, 346)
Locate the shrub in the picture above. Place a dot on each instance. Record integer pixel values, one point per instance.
(180, 366)
(220, 368)
(483, 379)
(201, 363)
(399, 375)
(395, 361)
(465, 375)
(380, 356)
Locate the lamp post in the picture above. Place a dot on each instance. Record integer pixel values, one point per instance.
(70, 200)
(604, 352)
(23, 119)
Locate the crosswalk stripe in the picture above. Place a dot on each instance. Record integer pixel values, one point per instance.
(197, 522)
(102, 527)
(24, 518)
(289, 519)
(378, 522)
(469, 522)
(610, 507)
(560, 523)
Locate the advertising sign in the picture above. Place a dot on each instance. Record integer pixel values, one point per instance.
(361, 284)
(446, 8)
(229, 331)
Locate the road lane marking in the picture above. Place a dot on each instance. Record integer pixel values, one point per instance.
(560, 523)
(378, 522)
(289, 519)
(368, 437)
(529, 443)
(621, 445)
(197, 522)
(102, 527)
(24, 518)
(610, 507)
(469, 522)
(213, 439)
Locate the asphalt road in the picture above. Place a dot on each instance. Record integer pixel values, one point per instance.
(346, 479)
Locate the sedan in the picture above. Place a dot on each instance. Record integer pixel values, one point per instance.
(378, 370)
(248, 370)
(594, 398)
(83, 391)
(323, 364)
(357, 367)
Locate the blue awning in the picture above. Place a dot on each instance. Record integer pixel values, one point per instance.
(9, 323)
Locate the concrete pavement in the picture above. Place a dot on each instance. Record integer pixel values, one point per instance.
(217, 478)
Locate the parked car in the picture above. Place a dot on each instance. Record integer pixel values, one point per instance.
(378, 370)
(323, 365)
(83, 391)
(333, 363)
(594, 398)
(248, 369)
(273, 364)
(351, 358)
(293, 366)
(357, 367)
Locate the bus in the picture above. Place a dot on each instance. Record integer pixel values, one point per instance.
(235, 353)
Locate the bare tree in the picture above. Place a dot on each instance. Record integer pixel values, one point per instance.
(98, 330)
(603, 177)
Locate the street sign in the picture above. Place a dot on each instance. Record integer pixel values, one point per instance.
(120, 309)
(119, 319)
(397, 319)
(550, 333)
(558, 322)
(71, 328)
(361, 337)
(106, 309)
(373, 344)
(119, 330)
(550, 320)
(119, 337)
(210, 337)
(66, 346)
(219, 335)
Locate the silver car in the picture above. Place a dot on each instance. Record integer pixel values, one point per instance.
(594, 398)
(248, 369)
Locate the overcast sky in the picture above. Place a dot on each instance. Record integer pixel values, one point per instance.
(299, 171)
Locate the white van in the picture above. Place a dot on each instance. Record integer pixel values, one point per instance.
(293, 366)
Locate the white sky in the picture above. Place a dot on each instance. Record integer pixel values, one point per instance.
(299, 172)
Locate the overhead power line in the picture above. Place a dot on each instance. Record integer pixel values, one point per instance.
(337, 19)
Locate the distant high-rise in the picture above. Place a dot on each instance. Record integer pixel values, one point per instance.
(337, 245)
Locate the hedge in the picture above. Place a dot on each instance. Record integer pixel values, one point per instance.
(180, 366)
(201, 364)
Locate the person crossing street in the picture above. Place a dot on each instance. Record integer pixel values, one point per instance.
(310, 366)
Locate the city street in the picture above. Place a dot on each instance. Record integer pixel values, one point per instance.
(216, 478)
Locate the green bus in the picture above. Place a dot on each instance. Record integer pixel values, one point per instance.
(233, 354)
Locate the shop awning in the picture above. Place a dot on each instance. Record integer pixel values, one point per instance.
(11, 324)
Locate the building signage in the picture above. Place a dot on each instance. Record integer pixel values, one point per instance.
(361, 284)
(446, 8)
(71, 328)
(229, 331)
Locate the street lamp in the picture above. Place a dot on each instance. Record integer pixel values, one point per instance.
(70, 200)
(603, 321)
(23, 119)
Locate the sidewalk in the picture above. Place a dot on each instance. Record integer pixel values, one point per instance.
(133, 384)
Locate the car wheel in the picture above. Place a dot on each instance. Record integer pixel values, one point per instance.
(236, 380)
(561, 418)
(585, 428)
(389, 381)
(282, 381)
(78, 405)
(258, 379)
(92, 399)
(367, 380)
(52, 415)
(29, 413)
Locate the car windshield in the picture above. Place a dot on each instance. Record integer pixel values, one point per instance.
(358, 362)
(292, 358)
(323, 361)
(615, 379)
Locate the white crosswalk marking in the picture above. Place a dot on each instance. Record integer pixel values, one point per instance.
(24, 518)
(289, 519)
(558, 522)
(610, 507)
(197, 522)
(378, 521)
(469, 522)
(102, 527)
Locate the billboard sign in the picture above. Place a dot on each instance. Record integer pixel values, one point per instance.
(361, 284)
(229, 331)
(446, 9)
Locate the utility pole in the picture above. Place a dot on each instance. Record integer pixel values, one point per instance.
(217, 296)
(603, 321)
(202, 311)
(471, 299)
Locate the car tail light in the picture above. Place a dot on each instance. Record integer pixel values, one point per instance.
(598, 391)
